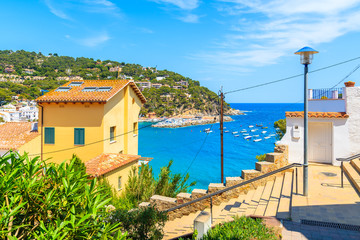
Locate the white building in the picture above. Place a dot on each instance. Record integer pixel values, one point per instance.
(334, 126)
(29, 113)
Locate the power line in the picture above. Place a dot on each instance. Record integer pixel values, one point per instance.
(287, 78)
(197, 153)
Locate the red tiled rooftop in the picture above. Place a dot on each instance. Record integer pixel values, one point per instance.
(15, 134)
(75, 94)
(318, 114)
(107, 162)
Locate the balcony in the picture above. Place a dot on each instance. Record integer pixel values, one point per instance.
(327, 100)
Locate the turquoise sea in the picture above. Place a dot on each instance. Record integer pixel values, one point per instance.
(198, 153)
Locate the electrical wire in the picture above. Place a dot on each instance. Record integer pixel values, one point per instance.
(287, 78)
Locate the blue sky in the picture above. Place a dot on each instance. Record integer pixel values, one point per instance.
(233, 43)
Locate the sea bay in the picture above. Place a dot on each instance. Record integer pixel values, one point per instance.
(198, 153)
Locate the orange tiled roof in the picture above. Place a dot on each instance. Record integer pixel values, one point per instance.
(15, 134)
(107, 162)
(318, 114)
(75, 94)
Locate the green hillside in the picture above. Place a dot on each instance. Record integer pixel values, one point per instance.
(27, 73)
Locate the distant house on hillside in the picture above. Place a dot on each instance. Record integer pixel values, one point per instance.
(115, 69)
(98, 121)
(160, 78)
(334, 124)
(29, 71)
(9, 70)
(20, 137)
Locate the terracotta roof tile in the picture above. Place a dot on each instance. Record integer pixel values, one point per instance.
(15, 134)
(318, 114)
(75, 94)
(107, 162)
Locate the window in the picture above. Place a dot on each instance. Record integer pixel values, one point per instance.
(75, 84)
(62, 89)
(49, 135)
(119, 183)
(135, 128)
(89, 89)
(79, 136)
(112, 134)
(104, 89)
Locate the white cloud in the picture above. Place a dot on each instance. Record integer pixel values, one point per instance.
(94, 41)
(190, 18)
(183, 4)
(267, 30)
(56, 11)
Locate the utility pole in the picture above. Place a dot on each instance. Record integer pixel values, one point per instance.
(222, 134)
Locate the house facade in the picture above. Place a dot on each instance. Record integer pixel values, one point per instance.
(333, 123)
(95, 119)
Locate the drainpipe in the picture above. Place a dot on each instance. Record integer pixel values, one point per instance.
(42, 131)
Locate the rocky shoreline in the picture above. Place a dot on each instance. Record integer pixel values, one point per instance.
(190, 120)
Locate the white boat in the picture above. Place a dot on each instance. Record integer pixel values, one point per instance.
(237, 135)
(247, 137)
(255, 135)
(243, 131)
(253, 130)
(209, 131)
(206, 129)
(235, 132)
(251, 126)
(267, 137)
(272, 135)
(226, 131)
(263, 132)
(245, 134)
(257, 140)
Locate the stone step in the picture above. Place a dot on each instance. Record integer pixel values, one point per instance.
(245, 203)
(265, 167)
(272, 206)
(260, 210)
(285, 198)
(356, 164)
(353, 175)
(254, 201)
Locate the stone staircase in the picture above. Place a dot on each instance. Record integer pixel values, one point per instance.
(352, 170)
(272, 199)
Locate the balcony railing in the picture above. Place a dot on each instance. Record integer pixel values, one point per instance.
(326, 93)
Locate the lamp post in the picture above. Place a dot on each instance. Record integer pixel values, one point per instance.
(306, 56)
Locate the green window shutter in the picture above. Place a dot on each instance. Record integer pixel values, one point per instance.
(49, 135)
(79, 136)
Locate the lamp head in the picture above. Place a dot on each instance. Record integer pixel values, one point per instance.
(306, 54)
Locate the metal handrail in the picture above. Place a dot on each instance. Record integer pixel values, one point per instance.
(232, 187)
(342, 160)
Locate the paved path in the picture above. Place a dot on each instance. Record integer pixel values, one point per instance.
(326, 201)
(297, 231)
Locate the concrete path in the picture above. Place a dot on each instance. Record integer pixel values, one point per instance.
(297, 231)
(327, 201)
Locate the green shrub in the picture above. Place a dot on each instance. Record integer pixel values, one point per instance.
(142, 185)
(49, 201)
(241, 228)
(261, 157)
(281, 125)
(142, 223)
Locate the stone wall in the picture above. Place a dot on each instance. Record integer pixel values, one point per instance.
(273, 161)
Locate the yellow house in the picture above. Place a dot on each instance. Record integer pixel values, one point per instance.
(90, 118)
(20, 137)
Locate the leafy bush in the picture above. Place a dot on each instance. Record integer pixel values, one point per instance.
(241, 228)
(142, 185)
(142, 223)
(49, 201)
(281, 125)
(261, 157)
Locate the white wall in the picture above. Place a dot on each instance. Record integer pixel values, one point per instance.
(340, 138)
(353, 110)
(327, 105)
